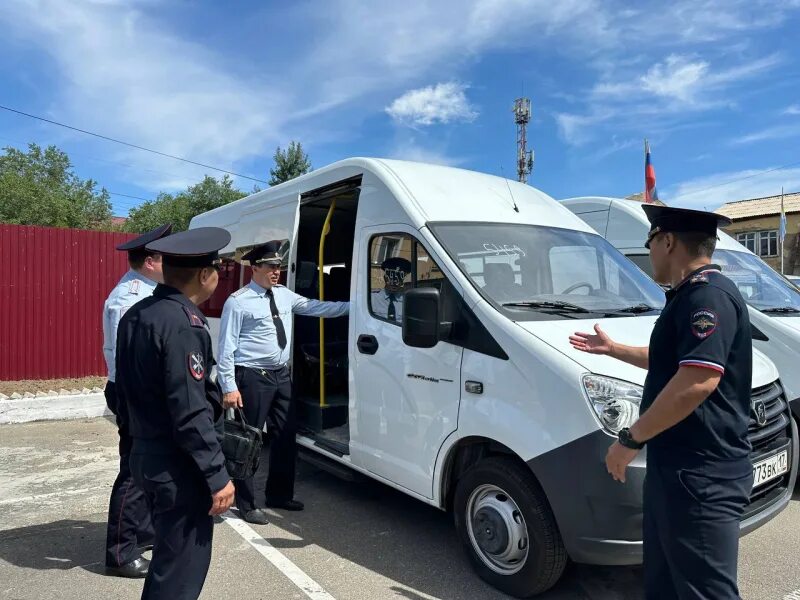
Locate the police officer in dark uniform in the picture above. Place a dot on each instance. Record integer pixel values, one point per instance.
(130, 528)
(694, 413)
(173, 411)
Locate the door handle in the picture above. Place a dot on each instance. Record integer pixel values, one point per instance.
(367, 344)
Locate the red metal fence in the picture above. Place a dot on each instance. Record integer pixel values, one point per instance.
(53, 283)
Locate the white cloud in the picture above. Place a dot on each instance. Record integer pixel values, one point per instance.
(711, 191)
(121, 74)
(677, 78)
(440, 103)
(794, 109)
(778, 132)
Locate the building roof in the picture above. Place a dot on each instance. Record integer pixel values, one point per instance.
(639, 197)
(760, 207)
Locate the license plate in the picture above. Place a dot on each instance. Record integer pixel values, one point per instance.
(770, 468)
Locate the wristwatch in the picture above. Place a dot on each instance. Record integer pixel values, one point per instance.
(626, 439)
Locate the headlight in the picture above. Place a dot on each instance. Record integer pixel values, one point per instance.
(616, 402)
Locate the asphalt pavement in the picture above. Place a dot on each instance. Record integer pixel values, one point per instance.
(354, 541)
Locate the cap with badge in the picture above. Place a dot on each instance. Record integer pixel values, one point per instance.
(140, 242)
(266, 253)
(194, 248)
(664, 219)
(395, 269)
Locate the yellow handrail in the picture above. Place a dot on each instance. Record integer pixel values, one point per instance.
(326, 228)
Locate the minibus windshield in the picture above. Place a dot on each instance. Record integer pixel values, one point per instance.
(532, 272)
(761, 287)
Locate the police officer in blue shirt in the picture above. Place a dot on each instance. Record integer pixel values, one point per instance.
(694, 413)
(173, 411)
(388, 302)
(129, 524)
(254, 349)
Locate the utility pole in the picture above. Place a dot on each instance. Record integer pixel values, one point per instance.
(522, 116)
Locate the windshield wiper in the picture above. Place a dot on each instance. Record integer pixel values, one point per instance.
(780, 309)
(550, 304)
(636, 309)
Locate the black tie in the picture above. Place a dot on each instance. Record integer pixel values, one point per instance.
(276, 318)
(391, 313)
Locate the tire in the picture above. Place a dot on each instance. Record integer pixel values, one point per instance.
(517, 547)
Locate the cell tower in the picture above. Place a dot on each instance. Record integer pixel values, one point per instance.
(522, 115)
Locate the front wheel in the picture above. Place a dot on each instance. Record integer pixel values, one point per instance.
(508, 529)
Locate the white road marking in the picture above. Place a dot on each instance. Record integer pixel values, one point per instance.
(53, 495)
(294, 573)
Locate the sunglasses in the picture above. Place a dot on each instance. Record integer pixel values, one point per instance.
(651, 236)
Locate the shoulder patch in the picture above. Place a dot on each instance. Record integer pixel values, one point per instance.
(194, 319)
(703, 323)
(197, 366)
(699, 278)
(239, 292)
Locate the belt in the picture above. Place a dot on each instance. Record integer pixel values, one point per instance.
(238, 368)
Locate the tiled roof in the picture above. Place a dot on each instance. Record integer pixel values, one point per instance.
(758, 207)
(639, 197)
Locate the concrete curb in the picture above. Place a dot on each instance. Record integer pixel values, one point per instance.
(53, 408)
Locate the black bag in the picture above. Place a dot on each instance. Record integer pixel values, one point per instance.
(241, 445)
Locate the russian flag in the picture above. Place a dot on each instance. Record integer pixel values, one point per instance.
(650, 192)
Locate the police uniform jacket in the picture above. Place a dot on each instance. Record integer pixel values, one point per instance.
(168, 400)
(131, 288)
(248, 337)
(704, 324)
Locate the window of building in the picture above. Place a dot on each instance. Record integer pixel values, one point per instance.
(762, 243)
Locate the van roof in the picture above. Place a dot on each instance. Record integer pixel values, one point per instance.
(426, 192)
(634, 209)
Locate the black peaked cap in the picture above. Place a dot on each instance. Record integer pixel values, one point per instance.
(194, 248)
(668, 218)
(140, 242)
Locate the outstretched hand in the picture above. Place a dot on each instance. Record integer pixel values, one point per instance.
(597, 343)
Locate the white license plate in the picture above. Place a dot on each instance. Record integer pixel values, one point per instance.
(770, 468)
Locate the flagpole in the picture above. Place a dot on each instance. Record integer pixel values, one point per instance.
(781, 230)
(644, 197)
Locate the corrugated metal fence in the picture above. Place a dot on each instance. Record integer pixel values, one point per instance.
(53, 283)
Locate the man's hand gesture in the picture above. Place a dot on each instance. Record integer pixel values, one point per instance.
(597, 343)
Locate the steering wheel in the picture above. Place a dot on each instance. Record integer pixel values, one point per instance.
(575, 286)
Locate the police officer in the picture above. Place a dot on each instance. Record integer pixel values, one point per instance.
(388, 302)
(254, 346)
(129, 527)
(173, 411)
(694, 413)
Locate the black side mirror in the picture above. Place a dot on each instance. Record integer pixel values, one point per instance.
(421, 324)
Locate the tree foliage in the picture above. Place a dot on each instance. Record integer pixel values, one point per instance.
(39, 187)
(179, 208)
(289, 164)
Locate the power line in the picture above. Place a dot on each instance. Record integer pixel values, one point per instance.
(756, 174)
(116, 141)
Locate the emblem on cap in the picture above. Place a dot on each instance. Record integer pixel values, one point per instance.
(703, 323)
(197, 366)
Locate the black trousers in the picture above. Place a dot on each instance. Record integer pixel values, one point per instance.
(267, 398)
(129, 522)
(691, 531)
(180, 501)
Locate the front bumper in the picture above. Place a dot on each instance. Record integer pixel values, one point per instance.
(600, 520)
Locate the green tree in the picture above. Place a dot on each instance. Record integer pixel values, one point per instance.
(289, 164)
(39, 187)
(179, 209)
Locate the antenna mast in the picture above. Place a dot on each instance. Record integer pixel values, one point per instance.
(522, 116)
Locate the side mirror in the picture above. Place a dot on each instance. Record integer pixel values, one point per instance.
(421, 310)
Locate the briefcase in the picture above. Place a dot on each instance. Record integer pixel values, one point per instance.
(241, 445)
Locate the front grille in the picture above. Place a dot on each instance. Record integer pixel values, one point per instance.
(774, 433)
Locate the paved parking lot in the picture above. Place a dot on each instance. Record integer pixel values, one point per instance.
(355, 541)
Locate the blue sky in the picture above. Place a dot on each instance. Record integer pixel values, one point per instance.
(713, 84)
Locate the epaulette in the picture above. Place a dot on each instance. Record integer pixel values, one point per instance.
(194, 319)
(133, 286)
(699, 278)
(238, 292)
